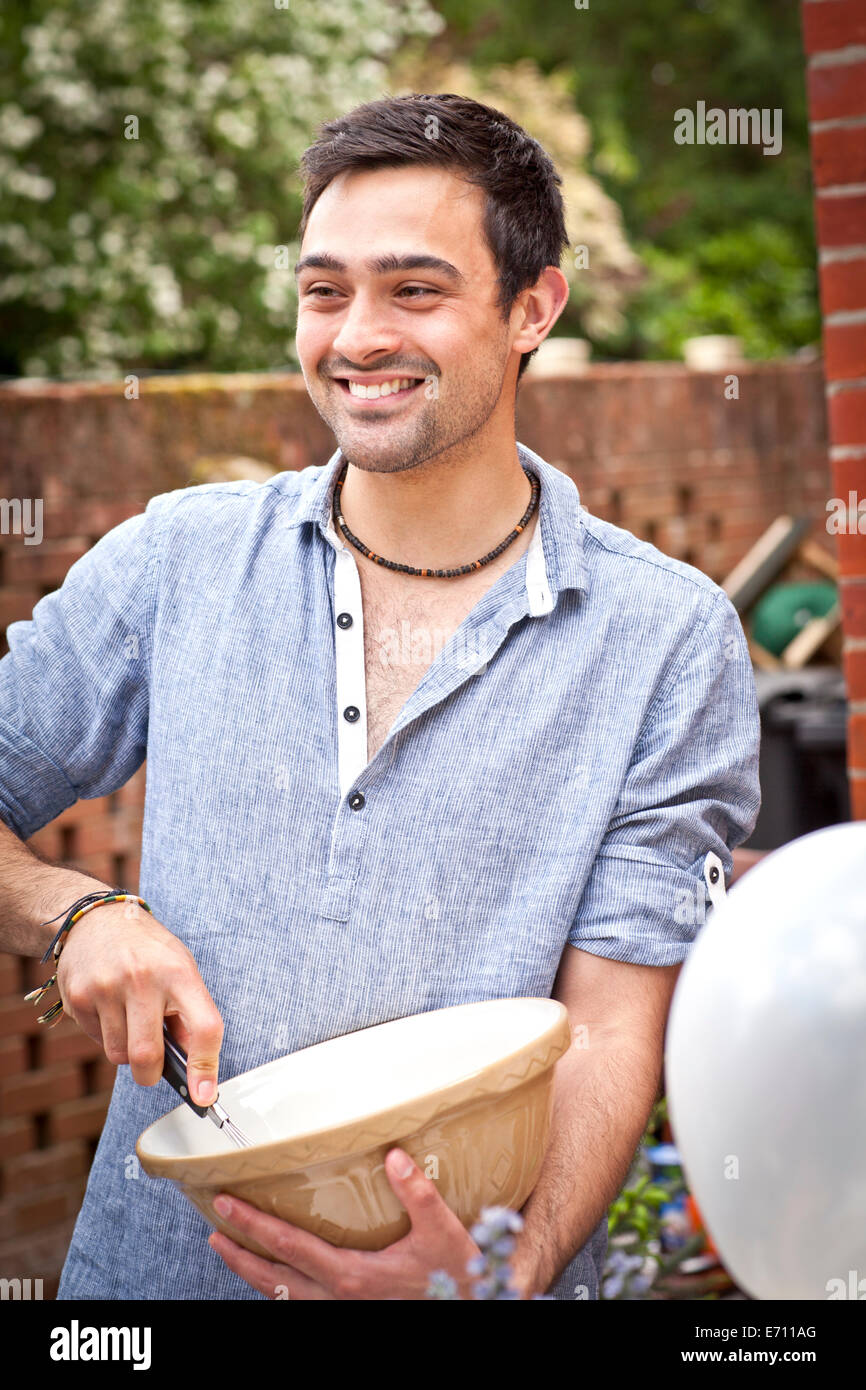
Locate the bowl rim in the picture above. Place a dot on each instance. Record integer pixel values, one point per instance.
(377, 1127)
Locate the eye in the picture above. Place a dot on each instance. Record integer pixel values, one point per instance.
(328, 291)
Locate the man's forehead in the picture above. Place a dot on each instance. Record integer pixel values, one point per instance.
(436, 181)
(406, 209)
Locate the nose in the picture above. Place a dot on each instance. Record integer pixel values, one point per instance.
(367, 328)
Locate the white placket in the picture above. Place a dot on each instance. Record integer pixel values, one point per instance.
(351, 673)
(349, 646)
(537, 586)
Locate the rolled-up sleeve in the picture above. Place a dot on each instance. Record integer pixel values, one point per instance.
(74, 683)
(692, 787)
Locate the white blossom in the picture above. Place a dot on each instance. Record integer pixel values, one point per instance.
(18, 130)
(172, 232)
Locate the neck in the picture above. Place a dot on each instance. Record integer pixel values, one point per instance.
(440, 514)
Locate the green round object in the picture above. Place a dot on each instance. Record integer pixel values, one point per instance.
(785, 609)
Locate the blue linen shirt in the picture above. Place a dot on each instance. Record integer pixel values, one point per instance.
(558, 776)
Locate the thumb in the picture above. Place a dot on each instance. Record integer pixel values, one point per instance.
(203, 1032)
(418, 1193)
(202, 1074)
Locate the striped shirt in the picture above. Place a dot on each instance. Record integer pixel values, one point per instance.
(557, 778)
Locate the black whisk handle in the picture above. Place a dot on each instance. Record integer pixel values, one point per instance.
(174, 1071)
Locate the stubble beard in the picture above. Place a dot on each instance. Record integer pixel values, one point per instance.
(433, 432)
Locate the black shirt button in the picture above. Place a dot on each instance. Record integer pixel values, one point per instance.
(344, 620)
(356, 800)
(351, 713)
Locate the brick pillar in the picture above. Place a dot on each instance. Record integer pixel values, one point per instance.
(834, 34)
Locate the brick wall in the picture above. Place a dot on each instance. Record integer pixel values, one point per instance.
(655, 448)
(834, 33)
(54, 1090)
(652, 446)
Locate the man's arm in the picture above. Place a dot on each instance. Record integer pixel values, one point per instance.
(119, 975)
(604, 1090)
(692, 787)
(74, 714)
(33, 891)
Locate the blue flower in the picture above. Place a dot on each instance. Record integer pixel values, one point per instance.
(625, 1275)
(494, 1235)
(639, 1284)
(442, 1286)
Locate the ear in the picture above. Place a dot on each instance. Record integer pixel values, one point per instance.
(536, 309)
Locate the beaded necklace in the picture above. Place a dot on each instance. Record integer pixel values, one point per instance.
(428, 573)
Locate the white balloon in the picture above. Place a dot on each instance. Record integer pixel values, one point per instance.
(765, 1070)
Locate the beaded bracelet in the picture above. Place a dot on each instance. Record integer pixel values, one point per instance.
(76, 911)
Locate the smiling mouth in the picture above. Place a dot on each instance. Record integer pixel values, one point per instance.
(397, 387)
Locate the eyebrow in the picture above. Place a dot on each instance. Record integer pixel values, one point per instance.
(384, 265)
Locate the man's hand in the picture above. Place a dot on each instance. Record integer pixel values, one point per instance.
(305, 1267)
(120, 973)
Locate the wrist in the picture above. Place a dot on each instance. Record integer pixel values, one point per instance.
(526, 1273)
(56, 893)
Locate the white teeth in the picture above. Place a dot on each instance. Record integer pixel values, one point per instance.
(387, 388)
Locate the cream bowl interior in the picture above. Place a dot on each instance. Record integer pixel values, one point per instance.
(345, 1079)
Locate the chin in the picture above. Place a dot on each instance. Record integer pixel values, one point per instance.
(371, 459)
(378, 450)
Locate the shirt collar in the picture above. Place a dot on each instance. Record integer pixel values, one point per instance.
(555, 558)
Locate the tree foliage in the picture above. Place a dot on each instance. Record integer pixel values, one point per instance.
(725, 232)
(148, 166)
(148, 171)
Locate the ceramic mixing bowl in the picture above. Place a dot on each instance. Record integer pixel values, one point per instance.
(466, 1091)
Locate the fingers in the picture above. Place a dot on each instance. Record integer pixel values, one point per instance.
(203, 1040)
(86, 1017)
(272, 1280)
(119, 986)
(112, 1027)
(144, 1042)
(309, 1255)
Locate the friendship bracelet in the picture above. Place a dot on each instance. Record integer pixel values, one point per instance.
(73, 914)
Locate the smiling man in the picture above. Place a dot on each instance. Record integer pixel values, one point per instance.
(419, 730)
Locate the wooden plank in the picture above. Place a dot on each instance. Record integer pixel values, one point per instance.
(820, 559)
(764, 660)
(759, 567)
(810, 638)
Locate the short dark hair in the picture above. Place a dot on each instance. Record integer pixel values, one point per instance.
(524, 218)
